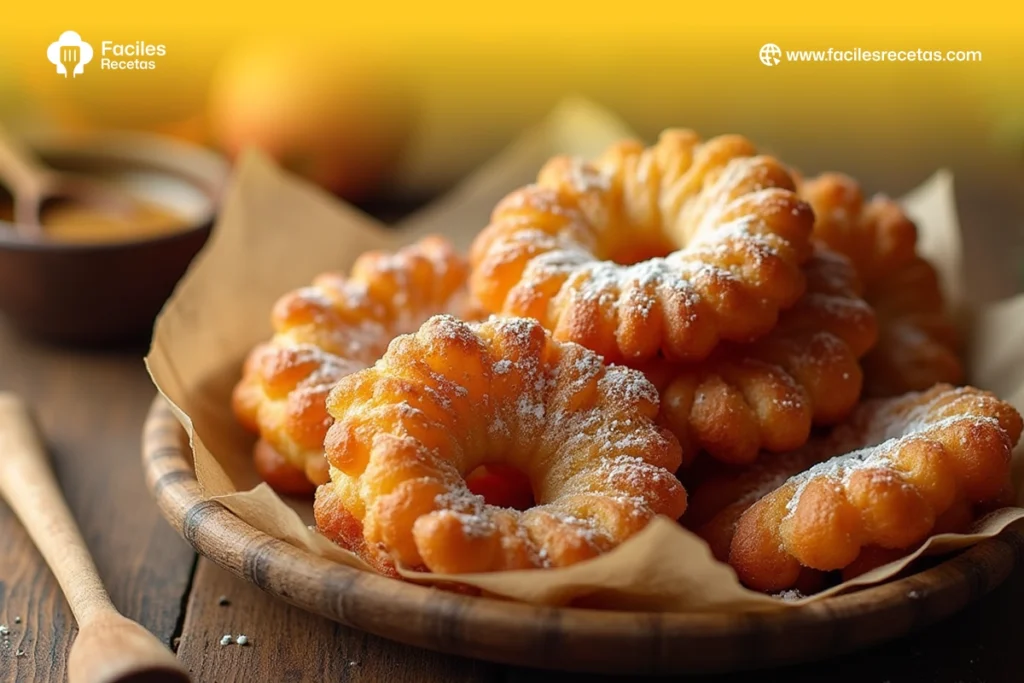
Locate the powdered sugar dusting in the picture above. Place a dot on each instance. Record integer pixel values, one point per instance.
(340, 325)
(725, 213)
(587, 178)
(791, 595)
(581, 431)
(889, 430)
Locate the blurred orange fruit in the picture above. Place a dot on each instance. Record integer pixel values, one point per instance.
(338, 119)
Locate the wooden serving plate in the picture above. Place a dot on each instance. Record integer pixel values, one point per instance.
(555, 637)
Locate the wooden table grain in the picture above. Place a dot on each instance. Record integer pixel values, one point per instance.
(91, 407)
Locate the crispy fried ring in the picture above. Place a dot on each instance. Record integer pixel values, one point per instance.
(584, 249)
(329, 330)
(455, 396)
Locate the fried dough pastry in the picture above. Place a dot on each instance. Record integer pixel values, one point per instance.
(454, 396)
(718, 499)
(644, 252)
(918, 340)
(766, 394)
(904, 465)
(329, 330)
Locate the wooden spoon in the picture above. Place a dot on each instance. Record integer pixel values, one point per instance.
(32, 184)
(109, 648)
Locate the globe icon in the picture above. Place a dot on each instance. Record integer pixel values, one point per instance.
(770, 54)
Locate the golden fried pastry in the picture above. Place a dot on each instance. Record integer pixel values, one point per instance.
(327, 331)
(454, 396)
(955, 520)
(667, 249)
(722, 495)
(905, 463)
(918, 341)
(765, 395)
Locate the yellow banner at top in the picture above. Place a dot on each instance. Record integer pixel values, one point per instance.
(405, 23)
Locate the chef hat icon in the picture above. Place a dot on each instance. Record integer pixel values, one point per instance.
(69, 39)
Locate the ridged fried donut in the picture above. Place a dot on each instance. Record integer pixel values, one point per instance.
(916, 458)
(918, 340)
(766, 394)
(329, 330)
(453, 396)
(570, 250)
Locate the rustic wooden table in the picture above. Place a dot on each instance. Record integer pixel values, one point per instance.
(91, 406)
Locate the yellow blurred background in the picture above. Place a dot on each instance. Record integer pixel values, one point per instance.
(406, 98)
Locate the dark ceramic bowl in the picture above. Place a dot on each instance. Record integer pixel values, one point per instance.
(107, 293)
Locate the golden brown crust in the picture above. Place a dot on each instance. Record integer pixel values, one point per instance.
(340, 526)
(455, 396)
(565, 250)
(326, 331)
(903, 464)
(765, 395)
(918, 341)
(279, 472)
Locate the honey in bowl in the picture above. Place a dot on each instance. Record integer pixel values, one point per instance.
(69, 222)
(162, 206)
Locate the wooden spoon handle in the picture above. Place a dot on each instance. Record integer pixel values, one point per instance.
(109, 648)
(19, 167)
(27, 178)
(28, 485)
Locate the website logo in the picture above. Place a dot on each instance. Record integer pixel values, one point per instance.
(69, 54)
(770, 54)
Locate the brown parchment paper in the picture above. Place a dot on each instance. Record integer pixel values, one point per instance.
(276, 233)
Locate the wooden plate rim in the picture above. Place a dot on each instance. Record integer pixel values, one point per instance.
(559, 637)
